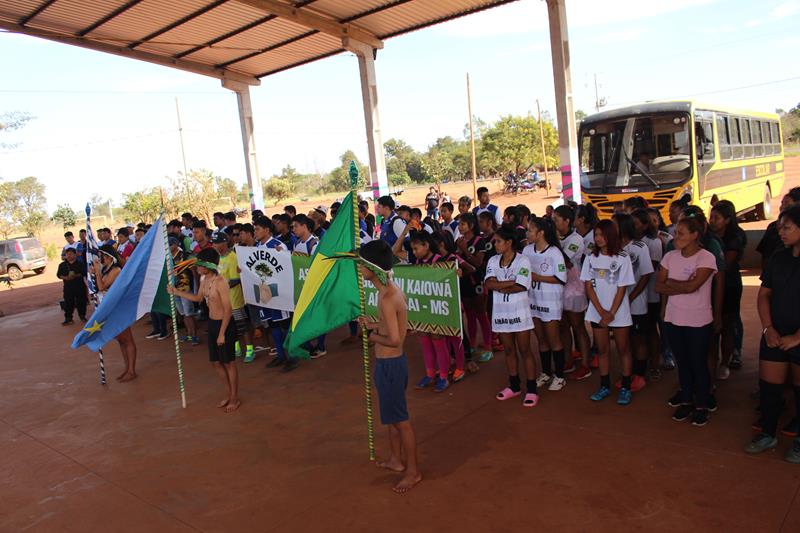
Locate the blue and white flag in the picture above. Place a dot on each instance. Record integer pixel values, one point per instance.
(92, 255)
(131, 295)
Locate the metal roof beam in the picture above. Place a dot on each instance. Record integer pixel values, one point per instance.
(44, 5)
(191, 16)
(228, 35)
(114, 14)
(181, 64)
(316, 21)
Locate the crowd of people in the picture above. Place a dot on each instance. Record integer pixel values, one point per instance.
(667, 295)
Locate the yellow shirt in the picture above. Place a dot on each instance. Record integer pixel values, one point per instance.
(229, 269)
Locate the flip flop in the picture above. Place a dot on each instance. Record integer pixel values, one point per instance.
(531, 400)
(507, 394)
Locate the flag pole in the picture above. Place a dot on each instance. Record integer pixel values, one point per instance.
(92, 285)
(363, 303)
(170, 283)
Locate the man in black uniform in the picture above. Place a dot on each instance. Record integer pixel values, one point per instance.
(71, 272)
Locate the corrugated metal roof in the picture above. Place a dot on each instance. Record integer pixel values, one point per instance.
(238, 39)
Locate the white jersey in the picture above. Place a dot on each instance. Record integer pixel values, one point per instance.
(656, 248)
(642, 265)
(546, 299)
(607, 274)
(306, 247)
(588, 242)
(511, 312)
(574, 248)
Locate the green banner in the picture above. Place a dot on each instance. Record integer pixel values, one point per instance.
(434, 301)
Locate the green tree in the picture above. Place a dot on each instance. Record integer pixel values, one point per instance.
(30, 201)
(438, 165)
(277, 189)
(513, 144)
(8, 209)
(195, 192)
(580, 114)
(66, 215)
(227, 188)
(339, 179)
(11, 121)
(144, 206)
(790, 124)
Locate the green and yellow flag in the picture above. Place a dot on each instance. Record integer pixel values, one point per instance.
(330, 297)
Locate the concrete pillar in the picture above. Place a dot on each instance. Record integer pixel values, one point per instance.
(242, 91)
(369, 97)
(565, 115)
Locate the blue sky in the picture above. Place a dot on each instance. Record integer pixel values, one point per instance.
(107, 125)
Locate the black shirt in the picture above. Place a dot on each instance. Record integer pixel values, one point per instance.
(782, 275)
(734, 242)
(770, 241)
(369, 220)
(77, 267)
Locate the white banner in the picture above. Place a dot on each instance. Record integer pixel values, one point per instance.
(267, 277)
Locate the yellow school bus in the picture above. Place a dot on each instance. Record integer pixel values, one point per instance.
(667, 151)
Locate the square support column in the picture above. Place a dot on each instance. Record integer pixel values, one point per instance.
(248, 143)
(369, 97)
(565, 115)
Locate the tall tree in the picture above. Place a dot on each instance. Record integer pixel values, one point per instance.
(144, 206)
(10, 121)
(65, 215)
(31, 201)
(340, 176)
(512, 144)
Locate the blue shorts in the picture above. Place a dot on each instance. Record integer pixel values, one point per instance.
(185, 307)
(391, 380)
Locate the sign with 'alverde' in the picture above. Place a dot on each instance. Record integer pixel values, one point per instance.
(434, 301)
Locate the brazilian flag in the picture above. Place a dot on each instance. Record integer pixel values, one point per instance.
(330, 295)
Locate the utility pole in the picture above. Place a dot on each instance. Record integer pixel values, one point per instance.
(472, 144)
(544, 155)
(180, 134)
(598, 102)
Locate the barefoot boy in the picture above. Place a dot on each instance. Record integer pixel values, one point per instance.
(221, 332)
(391, 367)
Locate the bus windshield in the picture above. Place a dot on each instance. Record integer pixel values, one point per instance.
(639, 152)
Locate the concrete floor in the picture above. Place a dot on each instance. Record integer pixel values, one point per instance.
(80, 457)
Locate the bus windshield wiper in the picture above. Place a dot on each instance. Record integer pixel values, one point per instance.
(644, 173)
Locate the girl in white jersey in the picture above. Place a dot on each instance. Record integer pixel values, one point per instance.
(508, 276)
(575, 301)
(607, 272)
(585, 221)
(546, 295)
(637, 295)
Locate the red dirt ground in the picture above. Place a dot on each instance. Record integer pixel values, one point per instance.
(80, 457)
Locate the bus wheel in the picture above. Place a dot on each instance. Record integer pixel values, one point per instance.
(764, 209)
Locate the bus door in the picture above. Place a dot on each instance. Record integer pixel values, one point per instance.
(705, 152)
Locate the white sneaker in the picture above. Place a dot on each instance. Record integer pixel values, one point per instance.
(542, 380)
(557, 383)
(723, 372)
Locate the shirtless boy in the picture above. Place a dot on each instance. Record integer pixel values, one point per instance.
(391, 369)
(221, 331)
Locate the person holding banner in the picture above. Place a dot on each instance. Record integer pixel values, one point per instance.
(221, 332)
(508, 276)
(106, 271)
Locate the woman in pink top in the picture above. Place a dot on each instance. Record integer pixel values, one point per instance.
(685, 282)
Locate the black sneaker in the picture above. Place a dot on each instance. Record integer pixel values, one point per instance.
(676, 400)
(162, 337)
(152, 335)
(276, 362)
(712, 403)
(700, 417)
(683, 412)
(289, 365)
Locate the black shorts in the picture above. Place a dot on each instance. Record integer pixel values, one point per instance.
(226, 353)
(654, 311)
(391, 380)
(596, 325)
(776, 355)
(642, 325)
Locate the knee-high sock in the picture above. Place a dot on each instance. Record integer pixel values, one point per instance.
(770, 395)
(428, 355)
(455, 344)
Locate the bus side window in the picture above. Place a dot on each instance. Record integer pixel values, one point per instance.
(758, 147)
(736, 142)
(724, 138)
(776, 139)
(746, 141)
(765, 137)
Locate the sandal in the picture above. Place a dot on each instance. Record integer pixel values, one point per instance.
(507, 394)
(531, 400)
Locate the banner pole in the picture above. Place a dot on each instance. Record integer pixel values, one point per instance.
(92, 285)
(363, 304)
(170, 283)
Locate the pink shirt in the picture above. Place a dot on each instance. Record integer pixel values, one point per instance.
(694, 309)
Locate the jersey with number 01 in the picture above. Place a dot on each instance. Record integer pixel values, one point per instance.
(546, 299)
(511, 312)
(642, 266)
(607, 273)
